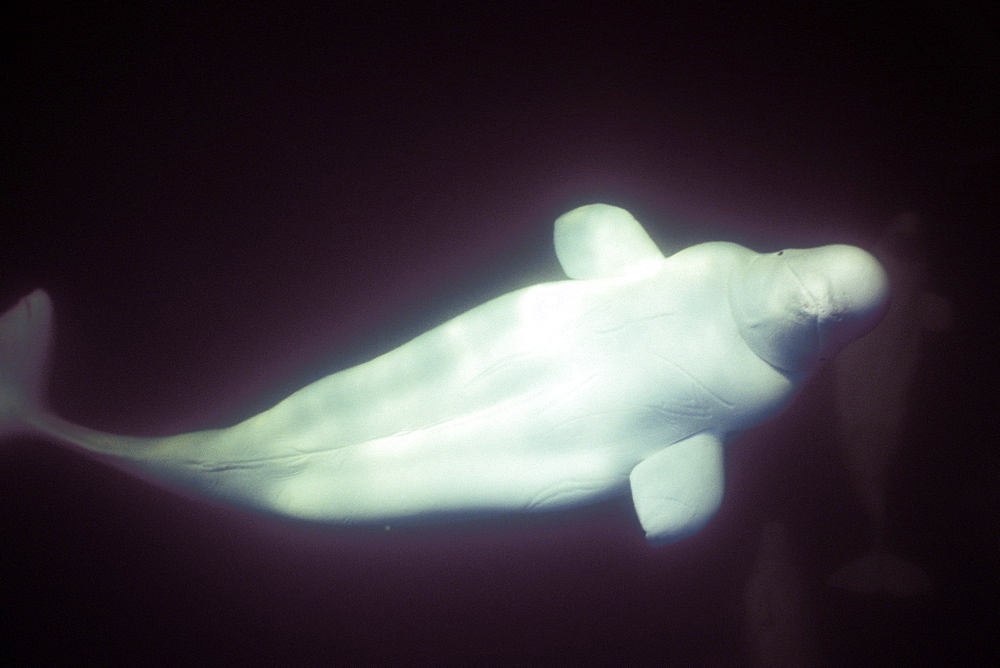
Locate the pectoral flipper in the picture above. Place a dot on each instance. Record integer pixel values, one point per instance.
(678, 489)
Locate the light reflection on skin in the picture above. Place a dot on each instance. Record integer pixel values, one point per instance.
(628, 376)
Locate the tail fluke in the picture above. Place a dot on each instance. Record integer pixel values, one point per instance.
(882, 572)
(25, 332)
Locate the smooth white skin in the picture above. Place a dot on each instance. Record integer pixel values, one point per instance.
(554, 395)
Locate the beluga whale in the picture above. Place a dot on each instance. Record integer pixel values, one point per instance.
(629, 377)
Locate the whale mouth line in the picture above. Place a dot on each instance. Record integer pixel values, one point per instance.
(813, 307)
(813, 300)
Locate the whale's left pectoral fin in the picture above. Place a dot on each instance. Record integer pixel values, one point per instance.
(678, 489)
(603, 241)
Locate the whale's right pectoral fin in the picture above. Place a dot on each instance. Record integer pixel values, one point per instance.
(603, 241)
(678, 489)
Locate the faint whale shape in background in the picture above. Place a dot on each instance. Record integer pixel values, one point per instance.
(874, 379)
(778, 619)
(630, 375)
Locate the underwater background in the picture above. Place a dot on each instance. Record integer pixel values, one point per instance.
(228, 201)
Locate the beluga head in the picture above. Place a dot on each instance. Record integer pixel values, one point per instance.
(796, 308)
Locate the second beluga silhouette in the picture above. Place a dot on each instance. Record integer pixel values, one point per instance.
(629, 376)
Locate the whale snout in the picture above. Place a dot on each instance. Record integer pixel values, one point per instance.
(844, 287)
(796, 305)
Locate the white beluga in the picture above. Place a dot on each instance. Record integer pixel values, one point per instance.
(629, 376)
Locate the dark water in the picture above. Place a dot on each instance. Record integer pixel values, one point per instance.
(226, 204)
